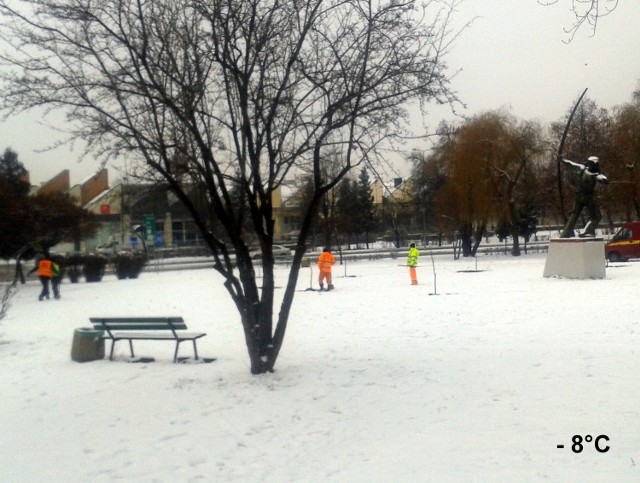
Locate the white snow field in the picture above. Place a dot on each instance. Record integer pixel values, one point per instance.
(378, 381)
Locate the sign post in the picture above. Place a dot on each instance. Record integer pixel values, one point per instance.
(149, 228)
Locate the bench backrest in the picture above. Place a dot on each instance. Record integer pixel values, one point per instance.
(138, 323)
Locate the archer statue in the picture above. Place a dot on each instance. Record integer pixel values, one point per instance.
(589, 176)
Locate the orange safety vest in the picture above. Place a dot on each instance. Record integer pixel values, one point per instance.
(45, 268)
(325, 260)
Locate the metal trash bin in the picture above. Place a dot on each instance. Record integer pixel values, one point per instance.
(88, 345)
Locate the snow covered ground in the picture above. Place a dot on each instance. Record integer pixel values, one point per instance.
(378, 381)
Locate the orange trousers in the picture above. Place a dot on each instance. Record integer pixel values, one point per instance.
(324, 276)
(413, 275)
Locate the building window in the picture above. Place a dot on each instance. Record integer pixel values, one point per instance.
(185, 233)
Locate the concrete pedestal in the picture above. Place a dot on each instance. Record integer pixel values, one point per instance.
(575, 258)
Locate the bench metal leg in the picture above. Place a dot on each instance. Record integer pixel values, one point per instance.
(175, 354)
(113, 345)
(195, 349)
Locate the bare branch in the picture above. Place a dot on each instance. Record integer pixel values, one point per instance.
(586, 12)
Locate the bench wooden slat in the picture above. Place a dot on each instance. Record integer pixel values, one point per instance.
(139, 323)
(157, 335)
(128, 326)
(139, 319)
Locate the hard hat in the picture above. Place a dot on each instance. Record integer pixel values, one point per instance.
(593, 158)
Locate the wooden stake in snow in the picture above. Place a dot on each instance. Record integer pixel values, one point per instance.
(433, 264)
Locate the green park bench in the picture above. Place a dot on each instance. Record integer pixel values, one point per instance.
(146, 328)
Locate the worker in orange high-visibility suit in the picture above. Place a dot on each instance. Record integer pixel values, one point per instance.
(325, 261)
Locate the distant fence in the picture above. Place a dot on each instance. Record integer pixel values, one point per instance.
(447, 250)
(161, 263)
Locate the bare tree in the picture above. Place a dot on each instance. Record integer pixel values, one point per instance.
(233, 96)
(585, 12)
(625, 133)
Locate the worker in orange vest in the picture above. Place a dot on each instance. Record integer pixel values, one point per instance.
(45, 272)
(325, 262)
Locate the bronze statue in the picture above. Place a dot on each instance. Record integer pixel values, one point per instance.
(589, 176)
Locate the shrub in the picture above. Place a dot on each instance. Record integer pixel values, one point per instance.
(94, 267)
(74, 264)
(129, 265)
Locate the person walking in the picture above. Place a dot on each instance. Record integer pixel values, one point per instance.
(325, 262)
(412, 262)
(56, 279)
(44, 269)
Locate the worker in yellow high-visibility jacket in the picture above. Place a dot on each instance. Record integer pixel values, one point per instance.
(412, 262)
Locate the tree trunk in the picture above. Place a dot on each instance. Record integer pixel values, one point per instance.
(515, 232)
(255, 308)
(256, 323)
(466, 245)
(515, 249)
(478, 238)
(465, 231)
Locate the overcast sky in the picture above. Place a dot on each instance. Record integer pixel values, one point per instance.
(513, 56)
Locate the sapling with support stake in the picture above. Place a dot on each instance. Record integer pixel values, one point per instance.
(345, 269)
(474, 269)
(306, 262)
(433, 265)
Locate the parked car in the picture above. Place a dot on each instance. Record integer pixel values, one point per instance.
(625, 243)
(109, 248)
(279, 251)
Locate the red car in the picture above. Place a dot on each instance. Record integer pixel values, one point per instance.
(625, 244)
